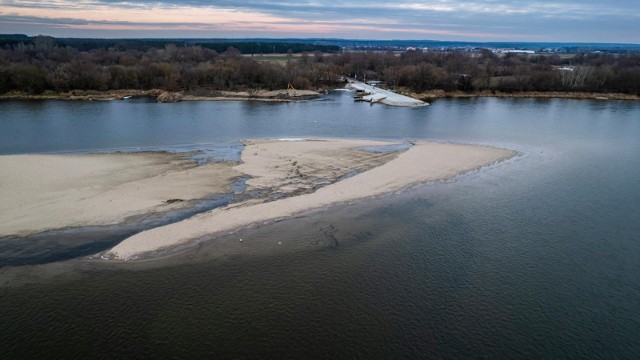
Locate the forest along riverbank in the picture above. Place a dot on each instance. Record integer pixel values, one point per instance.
(421, 163)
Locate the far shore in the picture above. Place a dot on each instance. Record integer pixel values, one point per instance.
(284, 95)
(441, 94)
(293, 95)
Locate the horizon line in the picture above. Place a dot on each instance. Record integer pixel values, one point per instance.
(328, 39)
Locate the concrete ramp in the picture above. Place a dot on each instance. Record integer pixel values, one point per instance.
(374, 94)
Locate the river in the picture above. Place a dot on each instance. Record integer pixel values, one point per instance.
(535, 257)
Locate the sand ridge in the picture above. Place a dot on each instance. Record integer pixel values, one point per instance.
(43, 192)
(421, 163)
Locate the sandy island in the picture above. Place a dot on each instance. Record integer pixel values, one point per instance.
(294, 166)
(287, 177)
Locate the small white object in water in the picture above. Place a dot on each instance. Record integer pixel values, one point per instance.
(240, 240)
(279, 242)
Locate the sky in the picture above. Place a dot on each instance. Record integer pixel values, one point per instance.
(615, 21)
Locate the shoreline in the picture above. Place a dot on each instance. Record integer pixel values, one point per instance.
(163, 96)
(279, 96)
(440, 94)
(423, 162)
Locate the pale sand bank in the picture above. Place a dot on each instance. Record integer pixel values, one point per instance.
(42, 192)
(291, 166)
(422, 163)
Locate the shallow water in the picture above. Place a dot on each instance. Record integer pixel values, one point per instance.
(536, 257)
(76, 242)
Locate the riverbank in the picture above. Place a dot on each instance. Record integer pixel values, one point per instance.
(43, 192)
(283, 95)
(82, 95)
(423, 162)
(292, 95)
(439, 94)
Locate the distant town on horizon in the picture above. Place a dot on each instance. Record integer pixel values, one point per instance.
(331, 44)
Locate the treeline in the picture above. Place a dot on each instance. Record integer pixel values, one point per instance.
(485, 70)
(35, 68)
(45, 65)
(245, 47)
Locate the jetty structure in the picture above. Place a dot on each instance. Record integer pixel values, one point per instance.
(374, 94)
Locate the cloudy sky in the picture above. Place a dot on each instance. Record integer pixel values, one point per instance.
(489, 20)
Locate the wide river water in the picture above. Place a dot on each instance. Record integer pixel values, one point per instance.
(537, 257)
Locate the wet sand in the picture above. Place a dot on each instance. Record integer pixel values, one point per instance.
(421, 163)
(43, 192)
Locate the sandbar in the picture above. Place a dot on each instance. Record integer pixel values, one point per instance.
(44, 192)
(265, 160)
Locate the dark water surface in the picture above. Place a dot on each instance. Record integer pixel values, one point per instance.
(537, 257)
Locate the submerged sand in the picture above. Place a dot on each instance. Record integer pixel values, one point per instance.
(272, 165)
(43, 192)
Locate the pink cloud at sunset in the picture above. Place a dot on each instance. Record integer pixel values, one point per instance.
(447, 20)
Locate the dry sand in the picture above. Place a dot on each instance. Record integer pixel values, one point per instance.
(290, 166)
(422, 163)
(42, 192)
